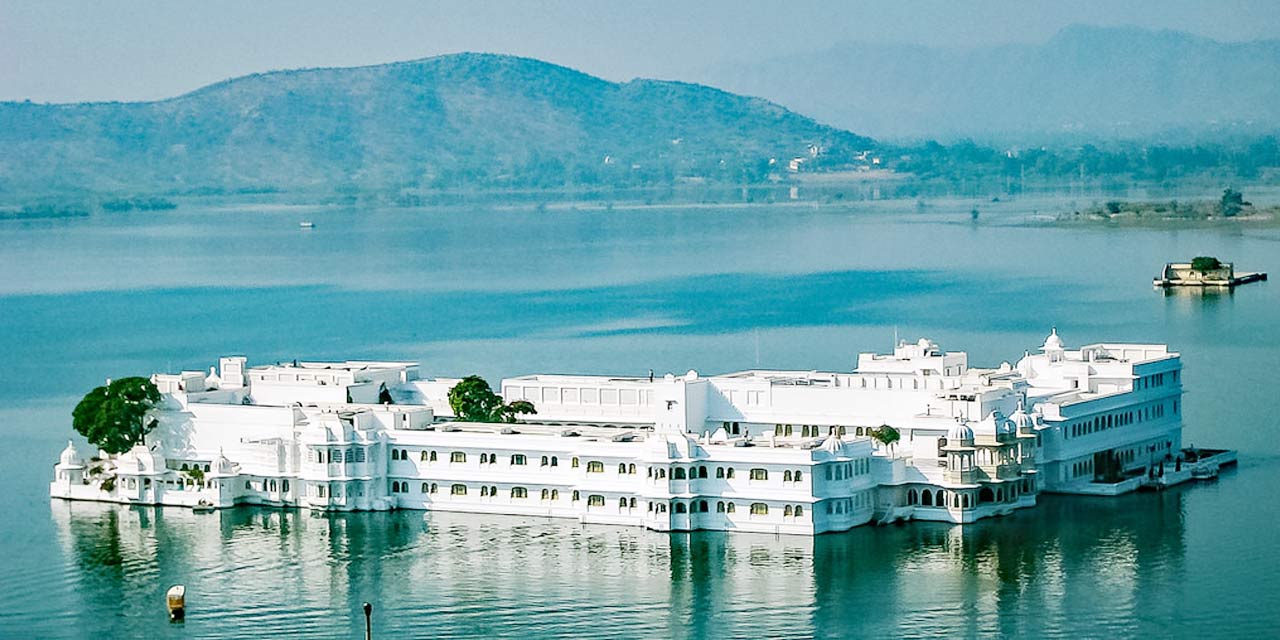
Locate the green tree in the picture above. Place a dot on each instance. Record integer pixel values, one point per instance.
(886, 435)
(473, 400)
(114, 417)
(1232, 202)
(1204, 264)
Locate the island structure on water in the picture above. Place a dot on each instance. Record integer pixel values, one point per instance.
(1205, 271)
(913, 435)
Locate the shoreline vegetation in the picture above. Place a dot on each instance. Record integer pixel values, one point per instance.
(84, 208)
(1230, 209)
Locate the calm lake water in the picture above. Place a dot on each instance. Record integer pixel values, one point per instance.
(504, 292)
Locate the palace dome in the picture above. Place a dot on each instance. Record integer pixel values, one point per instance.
(1053, 342)
(959, 434)
(70, 457)
(1022, 420)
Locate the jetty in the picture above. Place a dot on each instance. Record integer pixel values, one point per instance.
(1204, 272)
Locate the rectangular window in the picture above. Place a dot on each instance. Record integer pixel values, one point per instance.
(458, 490)
(759, 474)
(590, 396)
(609, 396)
(457, 456)
(518, 458)
(571, 396)
(627, 396)
(595, 501)
(551, 394)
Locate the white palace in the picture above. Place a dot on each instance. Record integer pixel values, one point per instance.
(759, 450)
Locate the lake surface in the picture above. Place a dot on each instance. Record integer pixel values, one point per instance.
(505, 292)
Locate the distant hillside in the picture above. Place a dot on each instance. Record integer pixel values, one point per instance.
(467, 120)
(1091, 81)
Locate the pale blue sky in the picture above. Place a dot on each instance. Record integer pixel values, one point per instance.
(91, 50)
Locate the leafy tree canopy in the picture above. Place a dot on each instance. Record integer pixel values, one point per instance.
(114, 417)
(886, 434)
(473, 400)
(1205, 263)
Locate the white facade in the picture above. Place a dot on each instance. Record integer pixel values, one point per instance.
(769, 451)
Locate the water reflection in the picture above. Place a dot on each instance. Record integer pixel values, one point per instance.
(251, 571)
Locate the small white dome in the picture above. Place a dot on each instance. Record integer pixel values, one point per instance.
(1053, 342)
(691, 375)
(70, 457)
(222, 465)
(959, 433)
(832, 445)
(1021, 420)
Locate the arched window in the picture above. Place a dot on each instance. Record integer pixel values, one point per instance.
(484, 458)
(759, 509)
(631, 468)
(786, 476)
(519, 492)
(702, 472)
(759, 474)
(284, 486)
(728, 473)
(912, 497)
(555, 494)
(426, 487)
(622, 468)
(797, 476)
(545, 493)
(575, 495)
(622, 503)
(457, 456)
(545, 461)
(662, 473)
(799, 511)
(680, 508)
(731, 507)
(677, 473)
(518, 458)
(964, 501)
(185, 467)
(858, 431)
(433, 457)
(786, 511)
(395, 454)
(719, 472)
(720, 506)
(926, 498)
(842, 431)
(423, 456)
(404, 455)
(484, 491)
(458, 490)
(702, 506)
(633, 503)
(594, 466)
(572, 463)
(493, 491)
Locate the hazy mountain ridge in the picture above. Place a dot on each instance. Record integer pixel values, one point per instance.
(449, 121)
(1099, 81)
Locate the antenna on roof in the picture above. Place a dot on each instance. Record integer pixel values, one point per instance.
(895, 335)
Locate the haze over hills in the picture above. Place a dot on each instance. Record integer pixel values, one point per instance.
(1093, 82)
(455, 120)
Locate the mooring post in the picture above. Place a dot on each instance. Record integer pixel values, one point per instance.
(368, 621)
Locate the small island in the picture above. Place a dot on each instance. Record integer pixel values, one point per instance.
(1230, 208)
(1204, 271)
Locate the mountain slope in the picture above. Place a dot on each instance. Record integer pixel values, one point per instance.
(1090, 80)
(458, 120)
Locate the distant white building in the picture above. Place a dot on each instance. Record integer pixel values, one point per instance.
(768, 451)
